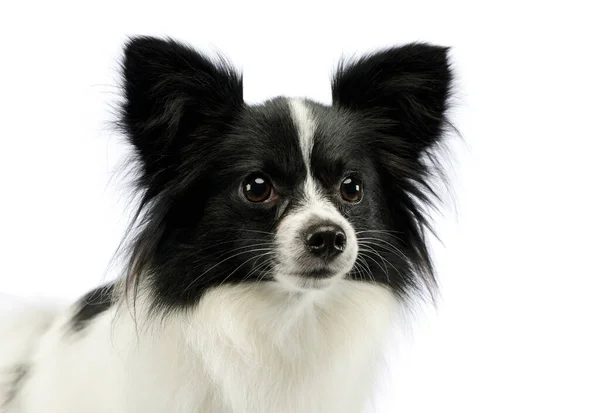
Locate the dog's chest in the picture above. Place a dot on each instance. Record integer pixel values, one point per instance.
(245, 349)
(270, 353)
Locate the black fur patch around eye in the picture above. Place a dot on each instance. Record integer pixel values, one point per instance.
(91, 305)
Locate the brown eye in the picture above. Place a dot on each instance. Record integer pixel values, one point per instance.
(256, 188)
(351, 189)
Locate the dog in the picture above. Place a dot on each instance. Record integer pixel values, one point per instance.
(272, 247)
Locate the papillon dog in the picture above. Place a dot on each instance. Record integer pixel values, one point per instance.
(272, 247)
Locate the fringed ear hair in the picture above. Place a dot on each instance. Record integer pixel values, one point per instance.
(174, 96)
(177, 102)
(405, 88)
(402, 94)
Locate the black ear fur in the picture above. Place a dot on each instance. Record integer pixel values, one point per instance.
(402, 93)
(174, 96)
(404, 89)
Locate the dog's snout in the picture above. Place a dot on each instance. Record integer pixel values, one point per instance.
(326, 241)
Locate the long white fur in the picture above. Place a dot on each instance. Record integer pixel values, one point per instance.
(247, 348)
(253, 348)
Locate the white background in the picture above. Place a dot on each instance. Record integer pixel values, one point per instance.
(517, 329)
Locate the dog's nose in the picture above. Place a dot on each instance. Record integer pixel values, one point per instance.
(326, 241)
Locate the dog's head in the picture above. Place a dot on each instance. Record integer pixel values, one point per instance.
(289, 191)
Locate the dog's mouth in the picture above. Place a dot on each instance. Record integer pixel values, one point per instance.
(320, 273)
(319, 260)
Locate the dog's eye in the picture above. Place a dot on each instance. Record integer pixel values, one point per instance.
(257, 188)
(351, 189)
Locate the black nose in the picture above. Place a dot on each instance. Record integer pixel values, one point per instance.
(325, 241)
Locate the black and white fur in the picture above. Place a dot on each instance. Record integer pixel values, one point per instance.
(224, 307)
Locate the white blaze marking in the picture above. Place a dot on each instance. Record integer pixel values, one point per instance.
(306, 126)
(315, 207)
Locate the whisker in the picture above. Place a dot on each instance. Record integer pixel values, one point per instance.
(374, 251)
(258, 232)
(388, 233)
(222, 253)
(269, 252)
(384, 259)
(385, 270)
(262, 275)
(261, 267)
(360, 266)
(221, 262)
(375, 241)
(242, 264)
(379, 230)
(230, 241)
(368, 270)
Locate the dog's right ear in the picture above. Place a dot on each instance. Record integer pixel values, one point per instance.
(174, 97)
(404, 89)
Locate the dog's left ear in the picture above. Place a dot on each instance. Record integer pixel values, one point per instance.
(403, 90)
(175, 98)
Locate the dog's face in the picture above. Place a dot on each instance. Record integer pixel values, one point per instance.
(296, 193)
(314, 240)
(289, 191)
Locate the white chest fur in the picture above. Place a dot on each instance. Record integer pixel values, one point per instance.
(245, 349)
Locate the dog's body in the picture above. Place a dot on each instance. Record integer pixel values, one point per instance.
(268, 352)
(275, 244)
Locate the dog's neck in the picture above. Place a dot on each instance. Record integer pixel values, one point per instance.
(303, 348)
